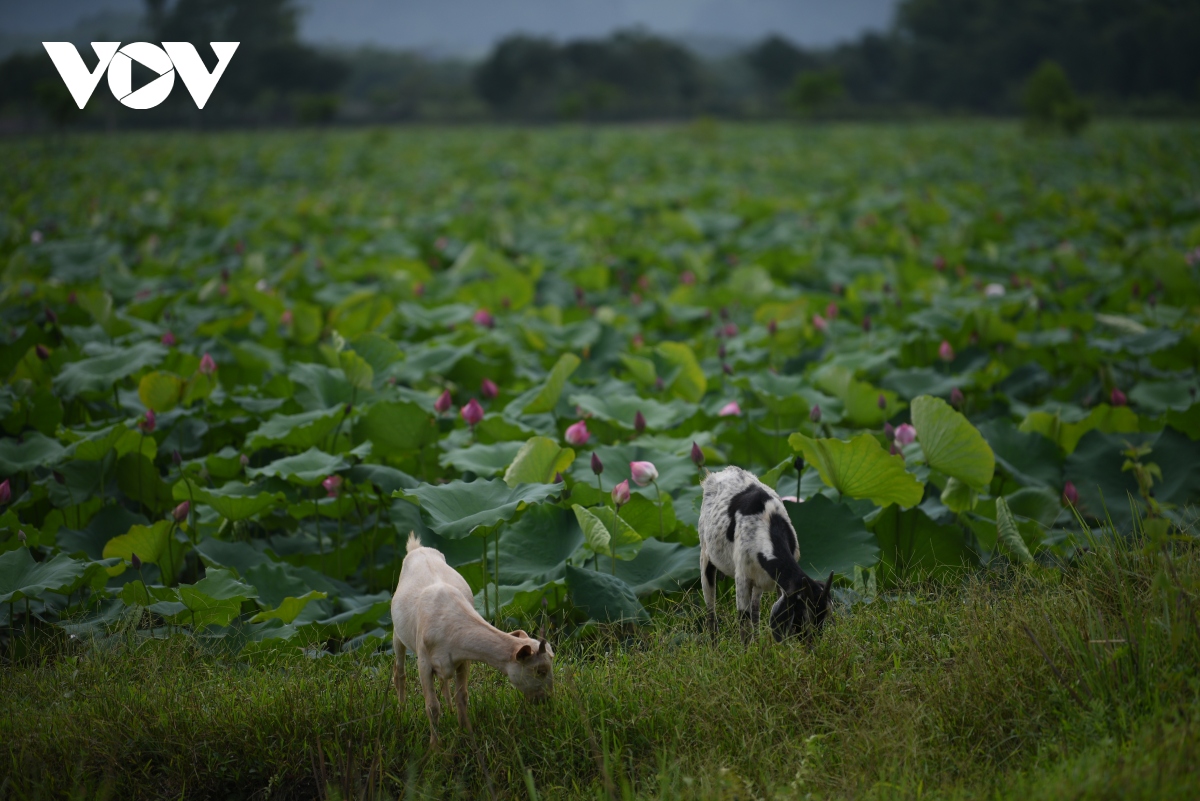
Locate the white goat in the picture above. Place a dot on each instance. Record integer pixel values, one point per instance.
(434, 614)
(745, 532)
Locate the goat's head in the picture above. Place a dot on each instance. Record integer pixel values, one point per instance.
(803, 611)
(531, 669)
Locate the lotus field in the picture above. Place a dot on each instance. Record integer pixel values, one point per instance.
(240, 368)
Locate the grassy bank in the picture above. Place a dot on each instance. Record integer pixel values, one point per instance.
(1080, 683)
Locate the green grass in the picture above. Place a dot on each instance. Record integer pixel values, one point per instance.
(986, 689)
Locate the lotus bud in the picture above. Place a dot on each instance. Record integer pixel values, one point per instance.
(181, 511)
(42, 352)
(287, 317)
(905, 434)
(721, 351)
(59, 478)
(332, 484)
(697, 456)
(730, 409)
(472, 413)
(820, 323)
(1136, 289)
(134, 562)
(207, 365)
(658, 383)
(831, 311)
(51, 317)
(558, 478)
(772, 327)
(814, 414)
(1117, 397)
(866, 323)
(5, 492)
(1070, 494)
(597, 465)
(945, 351)
(956, 397)
(644, 473)
(939, 264)
(21, 536)
(578, 434)
(149, 423)
(639, 422)
(881, 402)
(176, 457)
(620, 493)
(443, 402)
(168, 339)
(243, 460)
(726, 369)
(488, 389)
(888, 431)
(892, 451)
(731, 330)
(484, 319)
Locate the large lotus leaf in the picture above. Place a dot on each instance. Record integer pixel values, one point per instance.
(22, 577)
(289, 608)
(658, 567)
(106, 367)
(215, 600)
(860, 399)
(598, 529)
(240, 556)
(138, 479)
(307, 469)
(1105, 418)
(520, 600)
(110, 521)
(232, 500)
(386, 479)
(485, 461)
(458, 509)
(647, 518)
(1007, 536)
(674, 472)
(604, 597)
(154, 544)
(318, 387)
(1178, 457)
(861, 468)
(538, 462)
(912, 545)
(358, 613)
(424, 360)
(1041, 504)
(547, 396)
(536, 547)
(916, 381)
(359, 373)
(832, 538)
(1095, 470)
(690, 382)
(396, 426)
(93, 445)
(1031, 459)
(34, 450)
(299, 431)
(951, 444)
(160, 391)
(622, 409)
(1187, 421)
(378, 351)
(1159, 396)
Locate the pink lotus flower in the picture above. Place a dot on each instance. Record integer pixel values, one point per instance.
(181, 511)
(772, 327)
(43, 353)
(639, 422)
(488, 389)
(687, 278)
(730, 409)
(484, 319)
(791, 498)
(472, 413)
(866, 323)
(905, 434)
(443, 402)
(1117, 397)
(135, 562)
(597, 465)
(286, 318)
(620, 494)
(149, 423)
(244, 460)
(814, 414)
(820, 323)
(731, 329)
(881, 402)
(956, 397)
(1070, 494)
(697, 456)
(945, 351)
(831, 311)
(168, 339)
(5, 492)
(207, 365)
(332, 484)
(644, 473)
(578, 434)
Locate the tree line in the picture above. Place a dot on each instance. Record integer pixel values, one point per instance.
(957, 56)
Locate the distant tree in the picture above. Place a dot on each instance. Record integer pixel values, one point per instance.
(516, 72)
(776, 63)
(29, 83)
(1051, 103)
(815, 90)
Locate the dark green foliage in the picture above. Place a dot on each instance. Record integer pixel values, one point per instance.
(1051, 104)
(815, 91)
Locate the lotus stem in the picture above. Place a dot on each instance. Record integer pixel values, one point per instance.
(658, 494)
(486, 608)
(612, 537)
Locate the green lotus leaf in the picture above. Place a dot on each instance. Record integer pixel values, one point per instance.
(951, 444)
(160, 391)
(232, 500)
(396, 426)
(832, 538)
(622, 409)
(690, 382)
(459, 509)
(299, 431)
(105, 367)
(307, 469)
(1007, 536)
(604, 597)
(547, 396)
(34, 450)
(860, 468)
(22, 577)
(154, 544)
(598, 532)
(537, 462)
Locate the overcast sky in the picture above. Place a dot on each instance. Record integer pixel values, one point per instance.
(470, 27)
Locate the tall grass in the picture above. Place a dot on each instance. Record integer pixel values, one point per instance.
(1032, 682)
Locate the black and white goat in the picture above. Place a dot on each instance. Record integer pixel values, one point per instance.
(745, 533)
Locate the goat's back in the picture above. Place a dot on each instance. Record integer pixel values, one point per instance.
(428, 590)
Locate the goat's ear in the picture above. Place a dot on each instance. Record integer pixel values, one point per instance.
(524, 652)
(825, 591)
(541, 645)
(520, 633)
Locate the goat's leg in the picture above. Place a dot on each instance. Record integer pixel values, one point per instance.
(745, 590)
(398, 670)
(708, 583)
(462, 675)
(433, 707)
(446, 690)
(756, 605)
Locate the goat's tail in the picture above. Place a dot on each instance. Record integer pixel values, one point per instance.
(414, 542)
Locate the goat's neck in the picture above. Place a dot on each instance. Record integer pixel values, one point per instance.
(485, 643)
